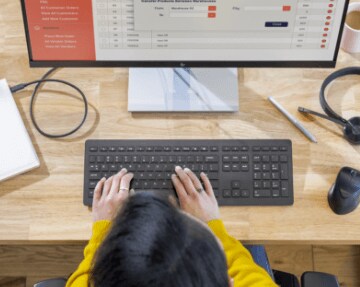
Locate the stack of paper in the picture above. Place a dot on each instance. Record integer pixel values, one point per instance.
(17, 153)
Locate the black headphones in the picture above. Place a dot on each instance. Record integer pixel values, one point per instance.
(351, 127)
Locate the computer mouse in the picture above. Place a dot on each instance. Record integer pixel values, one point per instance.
(344, 195)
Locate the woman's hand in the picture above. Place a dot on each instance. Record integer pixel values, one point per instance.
(195, 199)
(110, 195)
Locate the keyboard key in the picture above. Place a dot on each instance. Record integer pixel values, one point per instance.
(284, 188)
(235, 167)
(244, 158)
(266, 175)
(226, 158)
(257, 184)
(265, 167)
(109, 159)
(95, 176)
(226, 148)
(93, 149)
(226, 193)
(262, 193)
(92, 159)
(213, 167)
(256, 158)
(245, 193)
(211, 158)
(235, 193)
(274, 158)
(266, 184)
(275, 175)
(113, 167)
(275, 184)
(214, 148)
(284, 171)
(235, 184)
(257, 167)
(94, 167)
(257, 175)
(275, 167)
(104, 149)
(100, 159)
(226, 167)
(244, 167)
(283, 158)
(92, 184)
(104, 167)
(276, 193)
(235, 158)
(265, 158)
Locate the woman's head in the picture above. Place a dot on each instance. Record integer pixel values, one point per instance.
(152, 243)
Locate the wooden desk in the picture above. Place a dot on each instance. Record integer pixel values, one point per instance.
(45, 205)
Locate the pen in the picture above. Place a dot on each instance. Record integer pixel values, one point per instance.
(293, 120)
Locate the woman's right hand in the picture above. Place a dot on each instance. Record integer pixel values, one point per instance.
(195, 199)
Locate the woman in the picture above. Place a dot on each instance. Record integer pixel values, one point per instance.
(145, 240)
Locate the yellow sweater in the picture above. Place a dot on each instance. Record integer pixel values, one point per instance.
(241, 267)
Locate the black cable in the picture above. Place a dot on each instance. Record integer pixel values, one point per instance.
(38, 83)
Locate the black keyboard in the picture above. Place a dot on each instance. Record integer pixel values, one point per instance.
(242, 172)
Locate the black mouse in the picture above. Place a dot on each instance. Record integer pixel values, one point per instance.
(344, 195)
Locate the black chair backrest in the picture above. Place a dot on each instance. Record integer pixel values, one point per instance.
(57, 282)
(318, 279)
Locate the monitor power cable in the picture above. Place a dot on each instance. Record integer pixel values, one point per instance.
(38, 84)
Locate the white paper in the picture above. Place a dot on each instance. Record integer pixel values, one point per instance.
(17, 153)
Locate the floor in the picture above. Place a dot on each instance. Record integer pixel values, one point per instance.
(22, 266)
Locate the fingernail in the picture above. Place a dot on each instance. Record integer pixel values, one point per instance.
(104, 178)
(178, 168)
(124, 170)
(173, 175)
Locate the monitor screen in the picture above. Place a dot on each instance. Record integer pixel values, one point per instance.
(184, 32)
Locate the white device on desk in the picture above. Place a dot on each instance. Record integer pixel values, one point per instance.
(17, 154)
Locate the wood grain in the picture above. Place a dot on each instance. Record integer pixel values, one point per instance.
(343, 261)
(12, 282)
(45, 205)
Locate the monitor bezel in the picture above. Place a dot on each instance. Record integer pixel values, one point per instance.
(182, 64)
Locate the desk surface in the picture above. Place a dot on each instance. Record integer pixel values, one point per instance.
(45, 205)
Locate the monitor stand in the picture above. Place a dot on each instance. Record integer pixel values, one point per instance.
(183, 90)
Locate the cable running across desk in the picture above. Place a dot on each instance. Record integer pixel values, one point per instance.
(38, 83)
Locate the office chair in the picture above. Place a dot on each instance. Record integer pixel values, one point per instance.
(308, 279)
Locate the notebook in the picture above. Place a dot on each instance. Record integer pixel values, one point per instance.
(17, 154)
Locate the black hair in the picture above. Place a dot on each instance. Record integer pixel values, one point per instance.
(152, 243)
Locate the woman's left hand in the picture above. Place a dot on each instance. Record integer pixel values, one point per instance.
(110, 195)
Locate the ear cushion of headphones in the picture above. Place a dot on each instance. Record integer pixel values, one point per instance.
(340, 73)
(352, 130)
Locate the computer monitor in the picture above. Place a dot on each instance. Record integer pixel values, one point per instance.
(180, 38)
